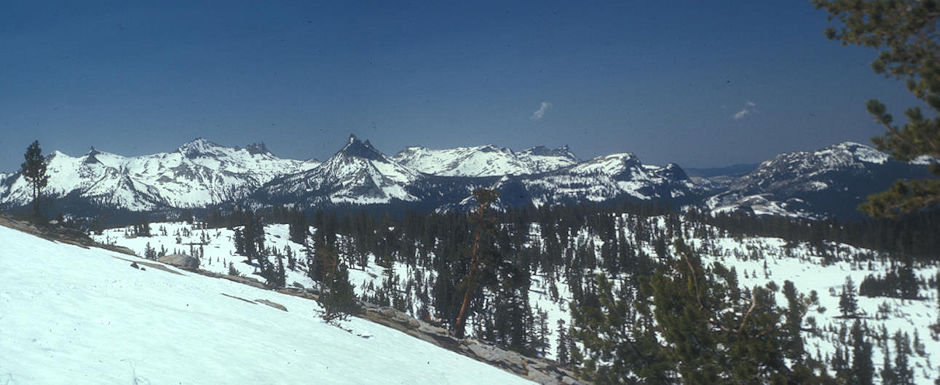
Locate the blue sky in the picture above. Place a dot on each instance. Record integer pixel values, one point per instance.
(697, 83)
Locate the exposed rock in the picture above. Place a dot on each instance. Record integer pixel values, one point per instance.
(245, 280)
(180, 260)
(271, 304)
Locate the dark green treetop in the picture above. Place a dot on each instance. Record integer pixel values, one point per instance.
(34, 171)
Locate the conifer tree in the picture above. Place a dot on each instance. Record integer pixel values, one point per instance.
(848, 304)
(561, 352)
(902, 367)
(279, 274)
(714, 332)
(337, 296)
(297, 227)
(904, 32)
(34, 171)
(888, 374)
(863, 370)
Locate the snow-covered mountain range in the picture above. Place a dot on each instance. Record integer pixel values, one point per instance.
(831, 181)
(486, 160)
(602, 179)
(199, 173)
(358, 173)
(442, 179)
(827, 182)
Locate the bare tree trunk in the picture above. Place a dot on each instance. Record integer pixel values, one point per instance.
(484, 197)
(471, 286)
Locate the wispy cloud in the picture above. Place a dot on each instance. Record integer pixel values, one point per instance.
(741, 114)
(539, 113)
(747, 110)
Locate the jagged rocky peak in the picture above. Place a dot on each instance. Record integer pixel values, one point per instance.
(674, 172)
(198, 147)
(257, 148)
(360, 149)
(562, 151)
(91, 156)
(493, 148)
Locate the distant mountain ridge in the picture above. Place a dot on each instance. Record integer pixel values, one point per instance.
(199, 173)
(487, 160)
(829, 182)
(357, 174)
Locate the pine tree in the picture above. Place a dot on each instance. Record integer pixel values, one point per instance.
(239, 240)
(297, 227)
(616, 342)
(888, 374)
(279, 274)
(904, 34)
(717, 333)
(902, 367)
(149, 252)
(848, 304)
(337, 297)
(863, 370)
(561, 352)
(34, 171)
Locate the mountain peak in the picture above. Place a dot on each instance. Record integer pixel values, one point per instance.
(257, 148)
(360, 149)
(197, 147)
(90, 157)
(562, 151)
(844, 153)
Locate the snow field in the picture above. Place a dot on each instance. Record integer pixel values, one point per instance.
(75, 315)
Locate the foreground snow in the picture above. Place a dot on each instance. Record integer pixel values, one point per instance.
(79, 316)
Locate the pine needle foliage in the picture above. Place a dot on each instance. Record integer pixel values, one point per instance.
(904, 32)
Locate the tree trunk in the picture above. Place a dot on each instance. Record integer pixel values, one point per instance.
(471, 286)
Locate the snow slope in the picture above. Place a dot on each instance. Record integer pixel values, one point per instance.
(78, 316)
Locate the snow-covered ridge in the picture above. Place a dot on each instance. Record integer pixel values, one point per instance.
(779, 186)
(487, 160)
(197, 174)
(608, 177)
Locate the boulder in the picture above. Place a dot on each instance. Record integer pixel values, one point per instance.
(181, 261)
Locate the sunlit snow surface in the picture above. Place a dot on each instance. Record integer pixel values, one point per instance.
(78, 316)
(485, 160)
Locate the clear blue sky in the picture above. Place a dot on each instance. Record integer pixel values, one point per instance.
(664, 80)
